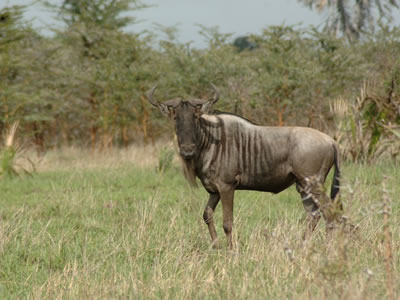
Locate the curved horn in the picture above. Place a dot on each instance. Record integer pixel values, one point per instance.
(198, 101)
(150, 96)
(172, 102)
(216, 93)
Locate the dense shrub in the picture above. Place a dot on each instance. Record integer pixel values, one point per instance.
(86, 85)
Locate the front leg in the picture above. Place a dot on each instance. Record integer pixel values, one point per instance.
(227, 211)
(208, 217)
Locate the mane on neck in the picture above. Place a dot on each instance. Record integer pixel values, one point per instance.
(189, 170)
(218, 112)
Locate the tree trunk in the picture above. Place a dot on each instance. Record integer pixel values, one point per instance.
(93, 133)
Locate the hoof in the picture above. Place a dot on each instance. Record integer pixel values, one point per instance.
(216, 245)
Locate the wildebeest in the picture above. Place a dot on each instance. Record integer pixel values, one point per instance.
(227, 153)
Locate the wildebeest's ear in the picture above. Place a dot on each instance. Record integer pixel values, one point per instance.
(199, 110)
(167, 110)
(206, 107)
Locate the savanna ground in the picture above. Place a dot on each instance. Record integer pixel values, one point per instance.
(108, 225)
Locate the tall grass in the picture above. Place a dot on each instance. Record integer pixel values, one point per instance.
(116, 230)
(165, 158)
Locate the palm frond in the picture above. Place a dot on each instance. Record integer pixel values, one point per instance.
(345, 20)
(362, 14)
(351, 18)
(10, 135)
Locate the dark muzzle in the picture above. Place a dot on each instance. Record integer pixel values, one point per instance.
(187, 151)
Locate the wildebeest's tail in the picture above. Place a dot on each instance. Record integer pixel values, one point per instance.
(336, 176)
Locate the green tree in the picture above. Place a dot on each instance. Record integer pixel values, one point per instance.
(10, 34)
(102, 71)
(106, 13)
(20, 58)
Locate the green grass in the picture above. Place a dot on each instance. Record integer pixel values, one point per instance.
(129, 232)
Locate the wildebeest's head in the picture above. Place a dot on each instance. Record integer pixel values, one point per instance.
(186, 114)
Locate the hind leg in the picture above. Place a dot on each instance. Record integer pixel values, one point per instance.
(313, 214)
(312, 209)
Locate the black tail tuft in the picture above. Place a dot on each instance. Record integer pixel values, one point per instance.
(336, 176)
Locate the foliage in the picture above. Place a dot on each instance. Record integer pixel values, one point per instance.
(11, 32)
(7, 157)
(101, 73)
(86, 85)
(368, 123)
(243, 43)
(10, 25)
(369, 126)
(10, 153)
(106, 13)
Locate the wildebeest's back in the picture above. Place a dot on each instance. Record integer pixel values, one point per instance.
(262, 158)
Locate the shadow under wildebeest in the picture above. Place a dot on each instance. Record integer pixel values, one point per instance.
(227, 153)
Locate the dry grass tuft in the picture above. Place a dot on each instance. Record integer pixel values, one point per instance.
(367, 126)
(140, 156)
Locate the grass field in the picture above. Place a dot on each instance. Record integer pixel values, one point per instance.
(110, 226)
